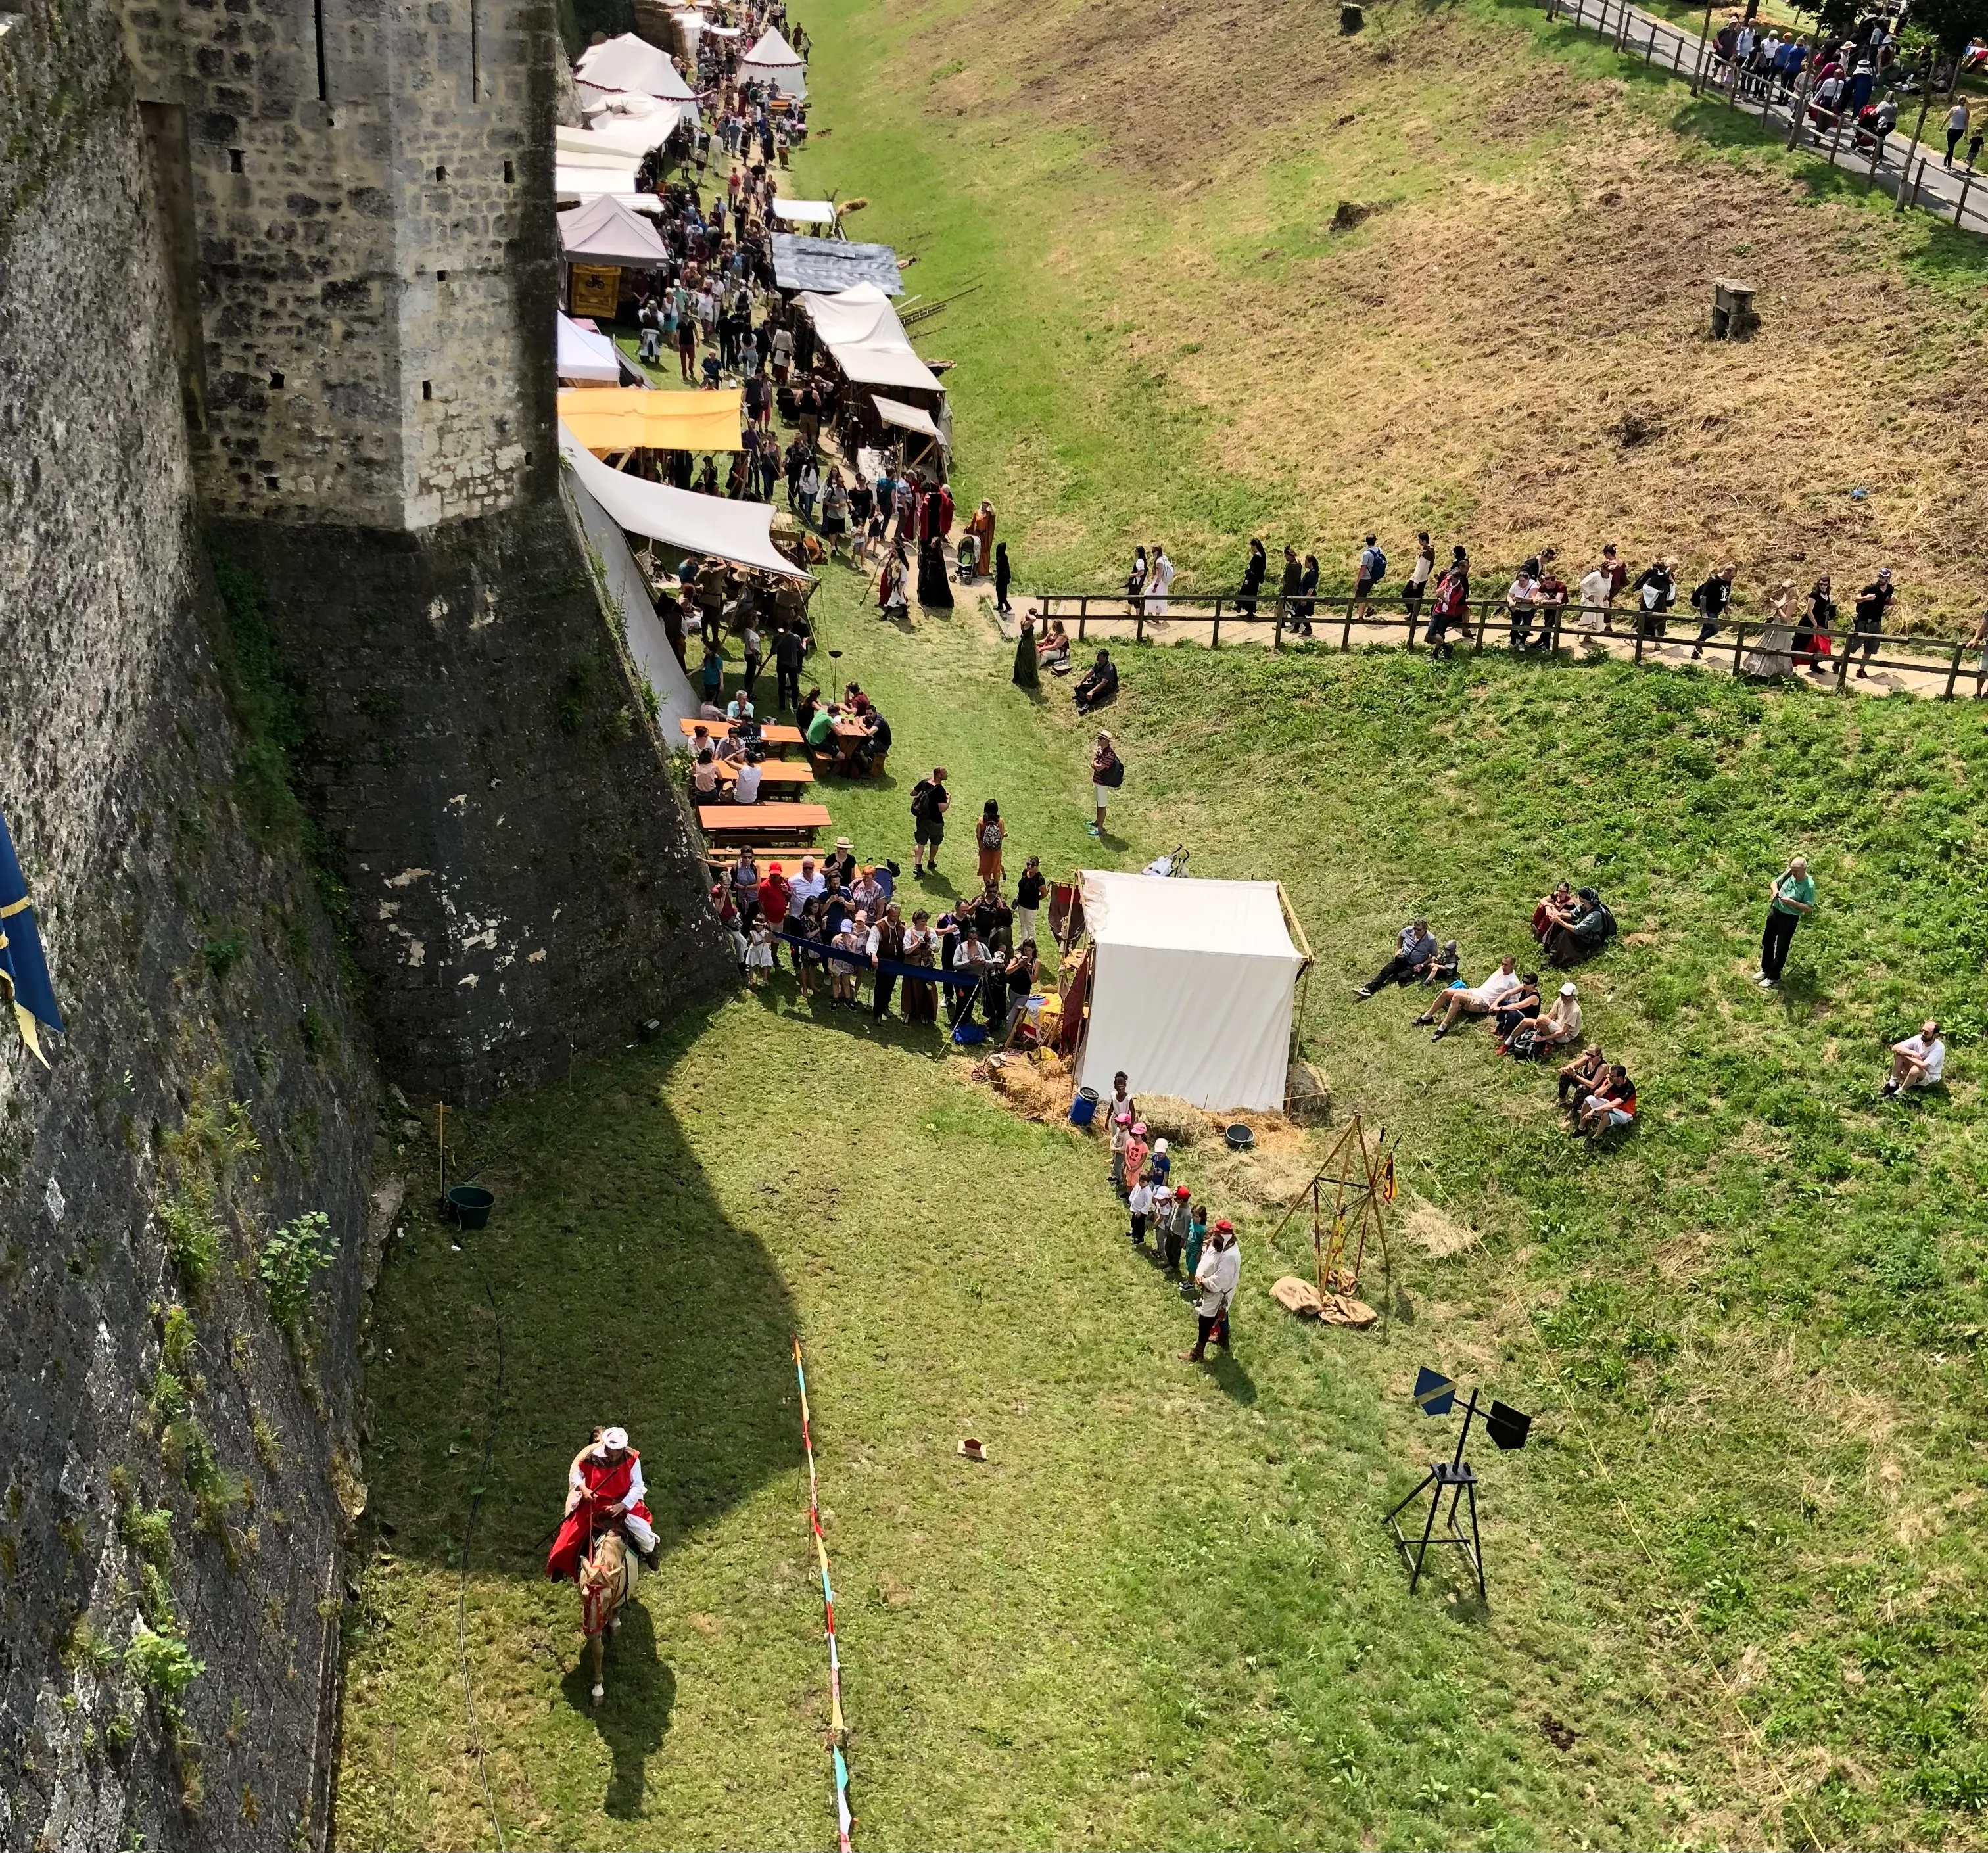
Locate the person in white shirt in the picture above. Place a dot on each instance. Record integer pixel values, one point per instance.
(1139, 1201)
(1214, 1281)
(809, 885)
(1159, 579)
(1481, 1002)
(1919, 1061)
(746, 785)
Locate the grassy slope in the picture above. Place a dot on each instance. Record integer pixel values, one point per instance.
(1169, 341)
(1165, 1616)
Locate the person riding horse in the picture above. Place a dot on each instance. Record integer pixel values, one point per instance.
(604, 1492)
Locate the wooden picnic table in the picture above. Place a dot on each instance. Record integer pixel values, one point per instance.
(772, 733)
(733, 821)
(771, 772)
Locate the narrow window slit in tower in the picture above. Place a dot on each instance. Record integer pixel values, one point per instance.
(427, 389)
(317, 21)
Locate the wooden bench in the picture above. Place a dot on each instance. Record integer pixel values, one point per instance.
(758, 823)
(787, 854)
(771, 773)
(772, 733)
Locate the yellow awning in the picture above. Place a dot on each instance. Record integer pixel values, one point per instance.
(632, 418)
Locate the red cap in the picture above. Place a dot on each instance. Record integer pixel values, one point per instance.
(1225, 1227)
(1181, 1193)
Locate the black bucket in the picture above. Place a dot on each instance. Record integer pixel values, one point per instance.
(471, 1205)
(1239, 1137)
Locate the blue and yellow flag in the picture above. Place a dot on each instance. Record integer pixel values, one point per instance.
(24, 968)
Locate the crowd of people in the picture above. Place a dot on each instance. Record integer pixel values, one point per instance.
(1570, 925)
(1799, 630)
(1202, 1255)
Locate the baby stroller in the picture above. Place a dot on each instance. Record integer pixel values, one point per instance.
(1173, 865)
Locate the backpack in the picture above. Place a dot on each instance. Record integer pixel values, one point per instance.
(922, 799)
(990, 835)
(1111, 776)
(1379, 561)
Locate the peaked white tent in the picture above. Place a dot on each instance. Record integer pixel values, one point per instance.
(1193, 991)
(773, 61)
(584, 355)
(861, 331)
(608, 233)
(739, 532)
(630, 63)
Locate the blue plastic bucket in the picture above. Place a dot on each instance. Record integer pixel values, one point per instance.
(1083, 1109)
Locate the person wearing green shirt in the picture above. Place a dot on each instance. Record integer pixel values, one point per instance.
(1792, 895)
(821, 730)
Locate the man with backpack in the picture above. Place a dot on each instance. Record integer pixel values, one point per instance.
(1107, 773)
(929, 803)
(1373, 569)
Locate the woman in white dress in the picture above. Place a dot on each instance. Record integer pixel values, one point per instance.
(1159, 577)
(1771, 656)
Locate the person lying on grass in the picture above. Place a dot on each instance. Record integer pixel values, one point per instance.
(1612, 1103)
(1462, 1001)
(1582, 1076)
(1919, 1061)
(1413, 959)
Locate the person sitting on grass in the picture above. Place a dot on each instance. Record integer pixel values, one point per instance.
(1919, 1061)
(1099, 685)
(1580, 1077)
(1462, 1001)
(1053, 648)
(1612, 1103)
(1413, 959)
(1542, 1034)
(1558, 909)
(1518, 1007)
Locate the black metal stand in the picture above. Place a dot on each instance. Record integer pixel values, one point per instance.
(1457, 1479)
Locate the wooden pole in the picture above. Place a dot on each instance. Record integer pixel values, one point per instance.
(1704, 39)
(1925, 104)
(442, 1157)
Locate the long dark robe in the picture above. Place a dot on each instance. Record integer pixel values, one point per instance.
(934, 592)
(1028, 672)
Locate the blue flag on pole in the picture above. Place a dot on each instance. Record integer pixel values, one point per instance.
(24, 968)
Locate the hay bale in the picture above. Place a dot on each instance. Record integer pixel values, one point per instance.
(1439, 1235)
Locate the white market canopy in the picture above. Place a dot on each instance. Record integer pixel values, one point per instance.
(629, 120)
(861, 331)
(773, 61)
(608, 233)
(582, 186)
(630, 63)
(712, 525)
(1193, 991)
(906, 417)
(585, 355)
(806, 211)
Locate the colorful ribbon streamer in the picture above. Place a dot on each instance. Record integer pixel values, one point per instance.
(838, 1727)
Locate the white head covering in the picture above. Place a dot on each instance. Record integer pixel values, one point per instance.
(615, 1439)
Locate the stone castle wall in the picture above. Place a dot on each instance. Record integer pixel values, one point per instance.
(213, 1063)
(368, 219)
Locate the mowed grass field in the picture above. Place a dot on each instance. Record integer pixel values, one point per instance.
(1740, 1560)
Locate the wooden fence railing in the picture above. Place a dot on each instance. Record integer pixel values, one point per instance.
(1487, 623)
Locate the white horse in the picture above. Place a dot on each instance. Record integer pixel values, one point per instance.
(608, 1574)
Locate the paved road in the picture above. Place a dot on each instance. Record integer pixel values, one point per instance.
(1952, 195)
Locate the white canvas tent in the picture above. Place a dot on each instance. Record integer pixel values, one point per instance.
(1193, 991)
(805, 211)
(773, 61)
(630, 63)
(739, 532)
(584, 355)
(861, 331)
(609, 232)
(907, 417)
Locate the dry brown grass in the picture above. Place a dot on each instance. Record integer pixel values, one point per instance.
(1514, 352)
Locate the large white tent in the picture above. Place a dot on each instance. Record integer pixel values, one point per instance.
(630, 63)
(773, 61)
(608, 233)
(1193, 991)
(861, 330)
(739, 532)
